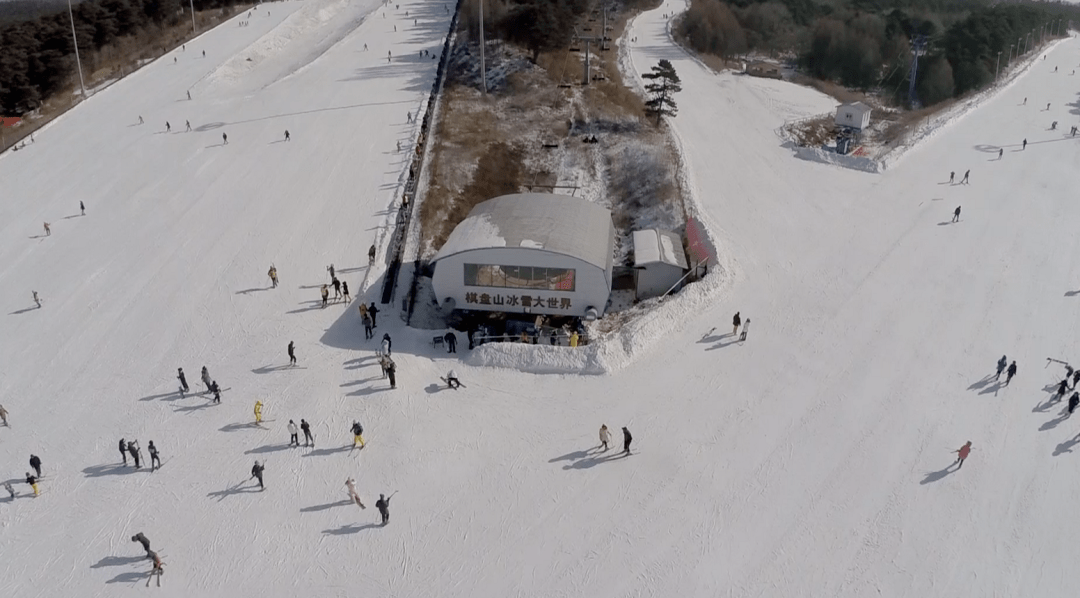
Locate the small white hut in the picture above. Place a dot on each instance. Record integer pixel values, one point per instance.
(659, 260)
(854, 115)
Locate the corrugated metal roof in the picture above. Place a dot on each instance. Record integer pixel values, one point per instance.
(555, 223)
(658, 246)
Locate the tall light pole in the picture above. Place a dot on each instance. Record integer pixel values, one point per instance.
(998, 67)
(193, 30)
(483, 71)
(78, 62)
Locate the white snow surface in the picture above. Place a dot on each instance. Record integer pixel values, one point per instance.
(811, 460)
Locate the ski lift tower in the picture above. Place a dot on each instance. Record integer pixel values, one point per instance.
(918, 47)
(602, 38)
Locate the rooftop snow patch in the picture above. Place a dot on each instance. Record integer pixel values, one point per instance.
(658, 246)
(555, 223)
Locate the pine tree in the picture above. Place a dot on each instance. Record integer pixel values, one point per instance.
(666, 83)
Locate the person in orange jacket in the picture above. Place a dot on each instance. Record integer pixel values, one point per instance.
(962, 453)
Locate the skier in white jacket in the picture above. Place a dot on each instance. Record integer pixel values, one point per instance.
(605, 436)
(350, 483)
(294, 433)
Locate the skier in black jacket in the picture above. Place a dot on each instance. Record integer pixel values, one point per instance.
(155, 461)
(306, 427)
(626, 440)
(1009, 373)
(123, 451)
(1074, 400)
(1062, 388)
(383, 505)
(372, 311)
(141, 539)
(35, 462)
(1001, 366)
(183, 379)
(257, 472)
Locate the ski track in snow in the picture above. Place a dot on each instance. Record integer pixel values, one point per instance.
(810, 460)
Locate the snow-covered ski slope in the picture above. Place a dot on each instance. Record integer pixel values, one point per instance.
(809, 461)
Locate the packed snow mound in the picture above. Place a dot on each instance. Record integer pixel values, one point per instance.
(295, 43)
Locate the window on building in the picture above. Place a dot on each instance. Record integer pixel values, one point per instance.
(520, 277)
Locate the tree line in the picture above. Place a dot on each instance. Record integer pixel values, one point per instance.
(37, 56)
(867, 44)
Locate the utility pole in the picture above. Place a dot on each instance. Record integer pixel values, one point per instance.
(998, 67)
(192, 4)
(918, 45)
(78, 62)
(586, 81)
(483, 70)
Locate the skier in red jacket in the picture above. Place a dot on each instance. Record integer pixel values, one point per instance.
(962, 453)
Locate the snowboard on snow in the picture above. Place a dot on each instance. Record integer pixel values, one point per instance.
(447, 383)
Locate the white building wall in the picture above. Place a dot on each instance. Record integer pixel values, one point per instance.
(656, 278)
(592, 287)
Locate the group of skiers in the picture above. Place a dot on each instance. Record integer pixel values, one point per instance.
(211, 385)
(132, 448)
(736, 322)
(341, 288)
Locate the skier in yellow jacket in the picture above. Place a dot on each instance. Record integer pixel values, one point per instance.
(258, 412)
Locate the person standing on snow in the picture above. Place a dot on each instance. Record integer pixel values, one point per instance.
(745, 329)
(1009, 373)
(391, 372)
(452, 380)
(257, 472)
(224, 139)
(286, 135)
(962, 453)
(605, 436)
(158, 569)
(187, 126)
(451, 342)
(3, 415)
(48, 231)
(37, 299)
(206, 377)
(345, 291)
(1025, 145)
(155, 460)
(325, 294)
(373, 311)
(182, 378)
(292, 353)
(371, 255)
(1001, 152)
(626, 440)
(294, 434)
(272, 273)
(386, 344)
(82, 208)
(123, 451)
(1074, 400)
(964, 181)
(1075, 378)
(141, 539)
(1000, 367)
(736, 321)
(1063, 386)
(351, 485)
(306, 427)
(383, 504)
(952, 177)
(10, 490)
(358, 434)
(136, 454)
(365, 318)
(337, 287)
(30, 479)
(258, 412)
(35, 462)
(956, 214)
(214, 388)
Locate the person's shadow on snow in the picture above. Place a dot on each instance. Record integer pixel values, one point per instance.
(981, 383)
(116, 561)
(349, 529)
(934, 476)
(587, 458)
(129, 576)
(993, 388)
(1067, 446)
(1050, 425)
(237, 489)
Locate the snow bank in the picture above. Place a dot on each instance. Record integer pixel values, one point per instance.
(816, 154)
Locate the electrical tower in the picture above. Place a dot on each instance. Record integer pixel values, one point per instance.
(918, 47)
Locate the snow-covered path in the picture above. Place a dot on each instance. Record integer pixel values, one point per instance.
(875, 321)
(808, 461)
